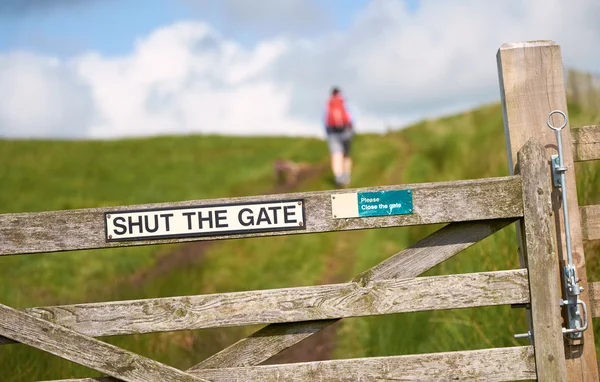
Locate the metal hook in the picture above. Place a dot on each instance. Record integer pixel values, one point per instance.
(550, 125)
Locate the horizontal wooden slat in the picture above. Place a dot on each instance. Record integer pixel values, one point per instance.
(590, 222)
(292, 304)
(489, 365)
(444, 202)
(492, 365)
(586, 143)
(595, 298)
(410, 262)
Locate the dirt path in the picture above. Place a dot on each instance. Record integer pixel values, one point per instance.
(320, 346)
(339, 268)
(189, 254)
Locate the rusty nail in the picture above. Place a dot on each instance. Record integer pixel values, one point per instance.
(110, 236)
(108, 216)
(300, 224)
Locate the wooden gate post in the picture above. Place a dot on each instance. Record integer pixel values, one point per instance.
(532, 85)
(539, 251)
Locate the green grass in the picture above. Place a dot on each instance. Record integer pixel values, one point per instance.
(52, 175)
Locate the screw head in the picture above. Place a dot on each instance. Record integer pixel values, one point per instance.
(108, 216)
(110, 236)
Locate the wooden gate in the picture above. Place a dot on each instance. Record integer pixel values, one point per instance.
(531, 79)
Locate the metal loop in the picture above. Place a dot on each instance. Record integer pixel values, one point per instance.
(550, 125)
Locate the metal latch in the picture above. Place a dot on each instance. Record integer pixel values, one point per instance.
(577, 314)
(576, 309)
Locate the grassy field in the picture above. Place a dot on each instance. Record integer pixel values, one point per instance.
(52, 175)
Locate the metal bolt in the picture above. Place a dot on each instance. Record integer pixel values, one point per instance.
(300, 224)
(528, 335)
(299, 203)
(110, 236)
(108, 216)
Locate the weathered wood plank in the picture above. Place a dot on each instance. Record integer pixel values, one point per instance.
(532, 85)
(590, 222)
(468, 200)
(432, 250)
(595, 298)
(493, 365)
(411, 262)
(586, 143)
(263, 344)
(100, 356)
(291, 304)
(542, 261)
(489, 365)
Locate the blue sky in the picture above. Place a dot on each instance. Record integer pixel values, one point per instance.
(112, 26)
(108, 26)
(116, 68)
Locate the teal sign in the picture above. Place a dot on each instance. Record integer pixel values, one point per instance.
(384, 203)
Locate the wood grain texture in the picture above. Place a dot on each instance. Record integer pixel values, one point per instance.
(292, 304)
(542, 262)
(586, 143)
(590, 222)
(432, 250)
(595, 299)
(100, 356)
(492, 365)
(263, 344)
(532, 85)
(481, 199)
(411, 262)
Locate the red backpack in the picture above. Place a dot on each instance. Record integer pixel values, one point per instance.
(337, 115)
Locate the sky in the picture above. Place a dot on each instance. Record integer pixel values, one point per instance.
(103, 69)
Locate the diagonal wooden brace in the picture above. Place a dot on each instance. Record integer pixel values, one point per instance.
(86, 351)
(411, 262)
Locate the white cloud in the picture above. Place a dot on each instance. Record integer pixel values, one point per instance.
(184, 78)
(393, 66)
(42, 97)
(396, 64)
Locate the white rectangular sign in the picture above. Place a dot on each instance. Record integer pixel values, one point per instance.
(210, 220)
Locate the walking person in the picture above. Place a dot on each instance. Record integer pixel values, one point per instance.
(340, 131)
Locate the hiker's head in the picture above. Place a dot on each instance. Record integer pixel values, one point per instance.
(335, 91)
